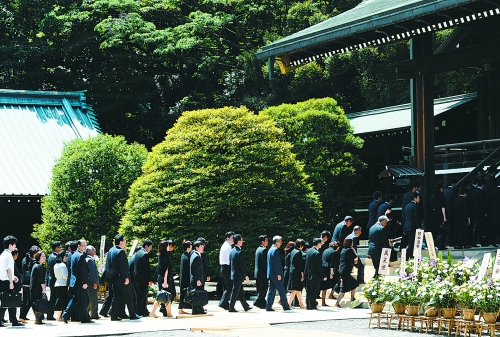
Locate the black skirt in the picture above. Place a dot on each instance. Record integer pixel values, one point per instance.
(62, 298)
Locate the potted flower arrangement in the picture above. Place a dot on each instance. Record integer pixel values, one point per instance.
(399, 295)
(425, 293)
(444, 298)
(488, 299)
(461, 272)
(375, 292)
(467, 298)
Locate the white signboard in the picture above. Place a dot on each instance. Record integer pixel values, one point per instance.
(133, 248)
(430, 245)
(484, 266)
(385, 258)
(403, 262)
(417, 246)
(496, 267)
(101, 250)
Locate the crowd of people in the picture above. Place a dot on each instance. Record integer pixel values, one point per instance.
(72, 276)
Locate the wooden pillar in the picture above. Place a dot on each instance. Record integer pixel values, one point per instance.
(422, 105)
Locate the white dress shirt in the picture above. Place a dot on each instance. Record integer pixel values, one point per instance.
(225, 250)
(61, 274)
(6, 262)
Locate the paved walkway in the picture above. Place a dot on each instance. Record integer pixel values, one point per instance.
(252, 323)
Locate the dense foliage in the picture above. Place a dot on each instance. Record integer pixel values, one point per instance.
(219, 170)
(323, 140)
(144, 62)
(88, 190)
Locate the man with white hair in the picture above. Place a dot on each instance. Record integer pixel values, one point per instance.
(275, 276)
(378, 240)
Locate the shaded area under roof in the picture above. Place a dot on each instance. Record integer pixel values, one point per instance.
(399, 116)
(373, 23)
(400, 171)
(34, 125)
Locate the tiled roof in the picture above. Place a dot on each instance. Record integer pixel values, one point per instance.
(399, 116)
(34, 125)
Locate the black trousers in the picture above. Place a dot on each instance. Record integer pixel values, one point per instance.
(27, 303)
(262, 285)
(142, 299)
(78, 303)
(480, 229)
(4, 287)
(238, 293)
(122, 294)
(225, 273)
(313, 289)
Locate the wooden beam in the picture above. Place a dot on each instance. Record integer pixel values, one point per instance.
(471, 56)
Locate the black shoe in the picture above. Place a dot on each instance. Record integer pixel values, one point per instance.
(224, 307)
(116, 319)
(287, 309)
(17, 324)
(270, 310)
(495, 245)
(103, 314)
(87, 322)
(135, 317)
(467, 247)
(65, 320)
(95, 317)
(124, 316)
(248, 308)
(232, 310)
(51, 319)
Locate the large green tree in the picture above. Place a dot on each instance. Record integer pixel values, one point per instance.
(219, 170)
(323, 140)
(88, 189)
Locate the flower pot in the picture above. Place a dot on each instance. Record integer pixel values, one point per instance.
(489, 317)
(468, 314)
(448, 312)
(413, 310)
(377, 307)
(430, 312)
(399, 308)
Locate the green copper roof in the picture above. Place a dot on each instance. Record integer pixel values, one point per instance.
(34, 125)
(375, 22)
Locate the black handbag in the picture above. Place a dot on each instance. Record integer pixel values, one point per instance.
(163, 296)
(199, 297)
(11, 300)
(42, 305)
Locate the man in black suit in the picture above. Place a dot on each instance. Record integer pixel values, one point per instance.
(197, 277)
(382, 209)
(51, 279)
(373, 209)
(412, 220)
(78, 286)
(342, 230)
(238, 274)
(117, 274)
(315, 273)
(204, 258)
(480, 214)
(260, 272)
(93, 282)
(378, 240)
(142, 277)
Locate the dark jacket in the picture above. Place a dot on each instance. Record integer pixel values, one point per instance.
(314, 266)
(238, 264)
(260, 263)
(411, 216)
(494, 212)
(372, 213)
(184, 271)
(274, 266)
(117, 264)
(479, 202)
(51, 261)
(93, 273)
(38, 274)
(79, 270)
(142, 267)
(196, 266)
(378, 240)
(382, 209)
(341, 232)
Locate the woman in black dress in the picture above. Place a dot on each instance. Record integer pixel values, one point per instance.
(348, 258)
(27, 263)
(296, 273)
(328, 262)
(37, 283)
(286, 268)
(164, 273)
(184, 272)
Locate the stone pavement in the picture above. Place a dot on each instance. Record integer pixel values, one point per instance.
(252, 323)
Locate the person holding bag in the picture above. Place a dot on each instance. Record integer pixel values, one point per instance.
(27, 263)
(7, 277)
(37, 284)
(61, 296)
